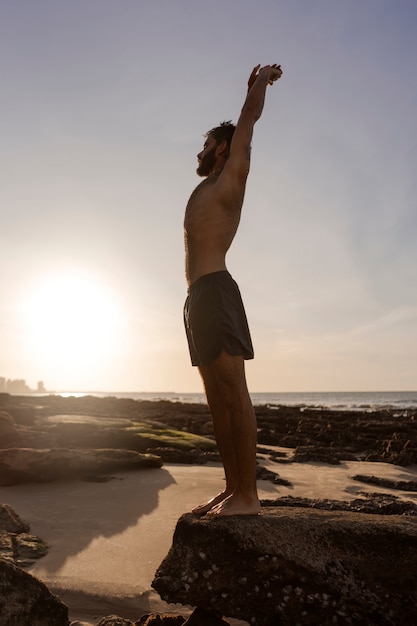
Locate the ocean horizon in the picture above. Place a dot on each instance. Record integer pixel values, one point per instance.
(341, 400)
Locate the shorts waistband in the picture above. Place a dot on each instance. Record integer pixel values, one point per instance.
(207, 278)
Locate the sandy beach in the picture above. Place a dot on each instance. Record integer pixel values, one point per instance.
(107, 539)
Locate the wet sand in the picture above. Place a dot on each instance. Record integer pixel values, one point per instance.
(107, 539)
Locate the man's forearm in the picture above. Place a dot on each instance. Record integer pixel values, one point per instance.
(255, 98)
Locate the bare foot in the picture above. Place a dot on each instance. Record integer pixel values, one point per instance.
(235, 505)
(203, 508)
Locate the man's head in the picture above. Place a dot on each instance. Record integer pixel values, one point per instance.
(216, 148)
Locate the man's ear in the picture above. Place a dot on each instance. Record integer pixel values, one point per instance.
(223, 148)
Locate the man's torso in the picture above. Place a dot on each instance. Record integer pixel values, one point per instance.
(211, 220)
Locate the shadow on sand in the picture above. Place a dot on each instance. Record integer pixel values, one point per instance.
(55, 510)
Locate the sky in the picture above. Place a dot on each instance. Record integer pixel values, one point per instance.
(104, 107)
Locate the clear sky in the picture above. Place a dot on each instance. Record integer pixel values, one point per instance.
(103, 109)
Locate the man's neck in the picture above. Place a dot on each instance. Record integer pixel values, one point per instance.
(215, 172)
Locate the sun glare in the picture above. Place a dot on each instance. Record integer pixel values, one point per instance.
(72, 322)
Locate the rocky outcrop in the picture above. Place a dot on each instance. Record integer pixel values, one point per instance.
(322, 434)
(10, 521)
(17, 545)
(199, 617)
(114, 620)
(21, 412)
(371, 503)
(9, 435)
(159, 620)
(26, 601)
(402, 485)
(295, 566)
(331, 436)
(18, 465)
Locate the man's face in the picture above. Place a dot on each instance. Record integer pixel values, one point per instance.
(207, 157)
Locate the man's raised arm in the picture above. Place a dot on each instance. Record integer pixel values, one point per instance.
(252, 109)
(258, 81)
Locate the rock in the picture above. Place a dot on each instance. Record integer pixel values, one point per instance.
(202, 617)
(401, 485)
(9, 435)
(314, 453)
(21, 549)
(114, 620)
(22, 413)
(26, 601)
(18, 465)
(371, 504)
(399, 450)
(295, 566)
(199, 617)
(262, 473)
(16, 544)
(10, 521)
(176, 455)
(160, 620)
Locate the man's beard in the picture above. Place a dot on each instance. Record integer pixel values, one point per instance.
(206, 165)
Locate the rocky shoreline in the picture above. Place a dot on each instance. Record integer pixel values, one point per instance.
(51, 438)
(385, 435)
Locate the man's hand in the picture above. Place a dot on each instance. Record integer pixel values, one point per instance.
(273, 72)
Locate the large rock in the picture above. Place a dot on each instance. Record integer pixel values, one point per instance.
(9, 436)
(296, 566)
(17, 545)
(18, 465)
(11, 522)
(26, 601)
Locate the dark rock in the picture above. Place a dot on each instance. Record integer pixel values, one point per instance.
(199, 617)
(175, 455)
(203, 617)
(22, 413)
(20, 465)
(10, 521)
(9, 435)
(262, 473)
(17, 546)
(401, 485)
(399, 450)
(21, 549)
(26, 601)
(295, 566)
(372, 504)
(318, 454)
(114, 620)
(158, 620)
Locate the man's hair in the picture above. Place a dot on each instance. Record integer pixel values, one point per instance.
(223, 132)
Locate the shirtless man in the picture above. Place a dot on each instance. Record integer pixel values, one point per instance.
(215, 320)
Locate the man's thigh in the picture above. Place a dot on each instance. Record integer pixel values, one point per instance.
(229, 370)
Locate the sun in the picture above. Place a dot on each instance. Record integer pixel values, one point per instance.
(73, 325)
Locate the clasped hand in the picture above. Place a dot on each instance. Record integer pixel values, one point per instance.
(273, 72)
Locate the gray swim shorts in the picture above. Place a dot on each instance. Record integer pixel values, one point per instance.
(215, 319)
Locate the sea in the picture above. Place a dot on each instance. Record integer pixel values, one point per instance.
(342, 400)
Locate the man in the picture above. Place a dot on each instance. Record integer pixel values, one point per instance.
(215, 320)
